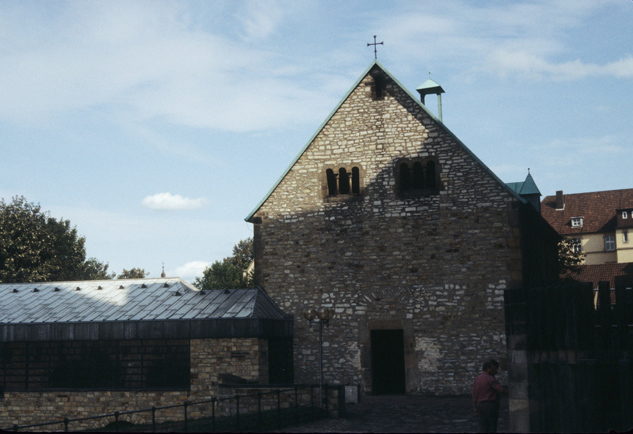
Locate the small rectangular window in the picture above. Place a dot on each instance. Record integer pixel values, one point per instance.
(609, 243)
(576, 222)
(577, 246)
(625, 215)
(625, 237)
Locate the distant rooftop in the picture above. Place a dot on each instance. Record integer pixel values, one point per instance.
(597, 208)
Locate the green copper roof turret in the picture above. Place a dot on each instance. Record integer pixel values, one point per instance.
(429, 87)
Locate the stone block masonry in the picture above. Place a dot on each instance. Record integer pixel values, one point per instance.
(209, 358)
(433, 264)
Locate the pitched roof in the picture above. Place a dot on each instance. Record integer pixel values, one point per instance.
(377, 64)
(601, 273)
(526, 187)
(598, 209)
(97, 301)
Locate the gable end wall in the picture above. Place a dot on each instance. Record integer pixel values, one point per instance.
(434, 266)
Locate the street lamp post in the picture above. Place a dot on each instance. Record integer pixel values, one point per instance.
(324, 314)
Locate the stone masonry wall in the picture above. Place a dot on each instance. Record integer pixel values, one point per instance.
(209, 358)
(434, 266)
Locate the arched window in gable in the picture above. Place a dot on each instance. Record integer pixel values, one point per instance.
(431, 181)
(355, 180)
(405, 177)
(417, 176)
(331, 182)
(343, 181)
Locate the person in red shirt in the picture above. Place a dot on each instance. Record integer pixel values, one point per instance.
(487, 396)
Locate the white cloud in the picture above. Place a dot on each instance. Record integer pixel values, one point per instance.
(516, 39)
(172, 202)
(152, 61)
(191, 270)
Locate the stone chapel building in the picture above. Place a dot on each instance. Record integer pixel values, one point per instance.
(389, 219)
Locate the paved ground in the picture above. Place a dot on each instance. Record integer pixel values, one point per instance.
(405, 413)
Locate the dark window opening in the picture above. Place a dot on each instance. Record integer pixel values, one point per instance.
(405, 177)
(417, 178)
(343, 181)
(355, 180)
(430, 174)
(378, 87)
(110, 365)
(331, 182)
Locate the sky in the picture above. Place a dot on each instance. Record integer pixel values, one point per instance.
(156, 127)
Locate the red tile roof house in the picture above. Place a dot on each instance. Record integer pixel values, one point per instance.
(601, 221)
(601, 273)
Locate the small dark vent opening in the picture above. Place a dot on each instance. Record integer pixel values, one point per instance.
(36, 290)
(143, 286)
(15, 291)
(56, 289)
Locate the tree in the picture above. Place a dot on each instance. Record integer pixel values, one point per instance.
(231, 271)
(96, 270)
(569, 255)
(35, 247)
(133, 273)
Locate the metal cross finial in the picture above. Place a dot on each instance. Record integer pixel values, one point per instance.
(375, 44)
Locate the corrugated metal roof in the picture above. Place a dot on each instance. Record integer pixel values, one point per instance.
(128, 300)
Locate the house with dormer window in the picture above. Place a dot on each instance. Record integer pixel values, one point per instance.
(600, 222)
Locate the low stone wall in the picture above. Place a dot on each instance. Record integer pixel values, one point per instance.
(209, 358)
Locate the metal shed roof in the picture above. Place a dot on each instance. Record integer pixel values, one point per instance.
(93, 308)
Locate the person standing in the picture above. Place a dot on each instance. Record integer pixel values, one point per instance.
(487, 396)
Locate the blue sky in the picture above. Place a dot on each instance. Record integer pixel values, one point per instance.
(155, 127)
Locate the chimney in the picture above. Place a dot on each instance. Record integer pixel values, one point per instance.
(560, 200)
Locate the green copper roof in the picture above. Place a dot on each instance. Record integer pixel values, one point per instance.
(430, 86)
(526, 187)
(422, 106)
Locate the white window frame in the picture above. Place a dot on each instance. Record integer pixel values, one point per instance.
(577, 222)
(577, 245)
(609, 243)
(625, 215)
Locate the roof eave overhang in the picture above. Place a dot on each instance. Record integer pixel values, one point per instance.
(129, 330)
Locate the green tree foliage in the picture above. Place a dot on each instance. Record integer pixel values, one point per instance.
(231, 271)
(96, 270)
(133, 273)
(35, 247)
(569, 258)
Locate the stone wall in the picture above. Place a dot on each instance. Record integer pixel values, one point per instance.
(245, 357)
(434, 266)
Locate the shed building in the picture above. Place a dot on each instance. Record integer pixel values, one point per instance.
(84, 348)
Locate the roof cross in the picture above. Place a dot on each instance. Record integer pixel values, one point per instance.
(375, 44)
